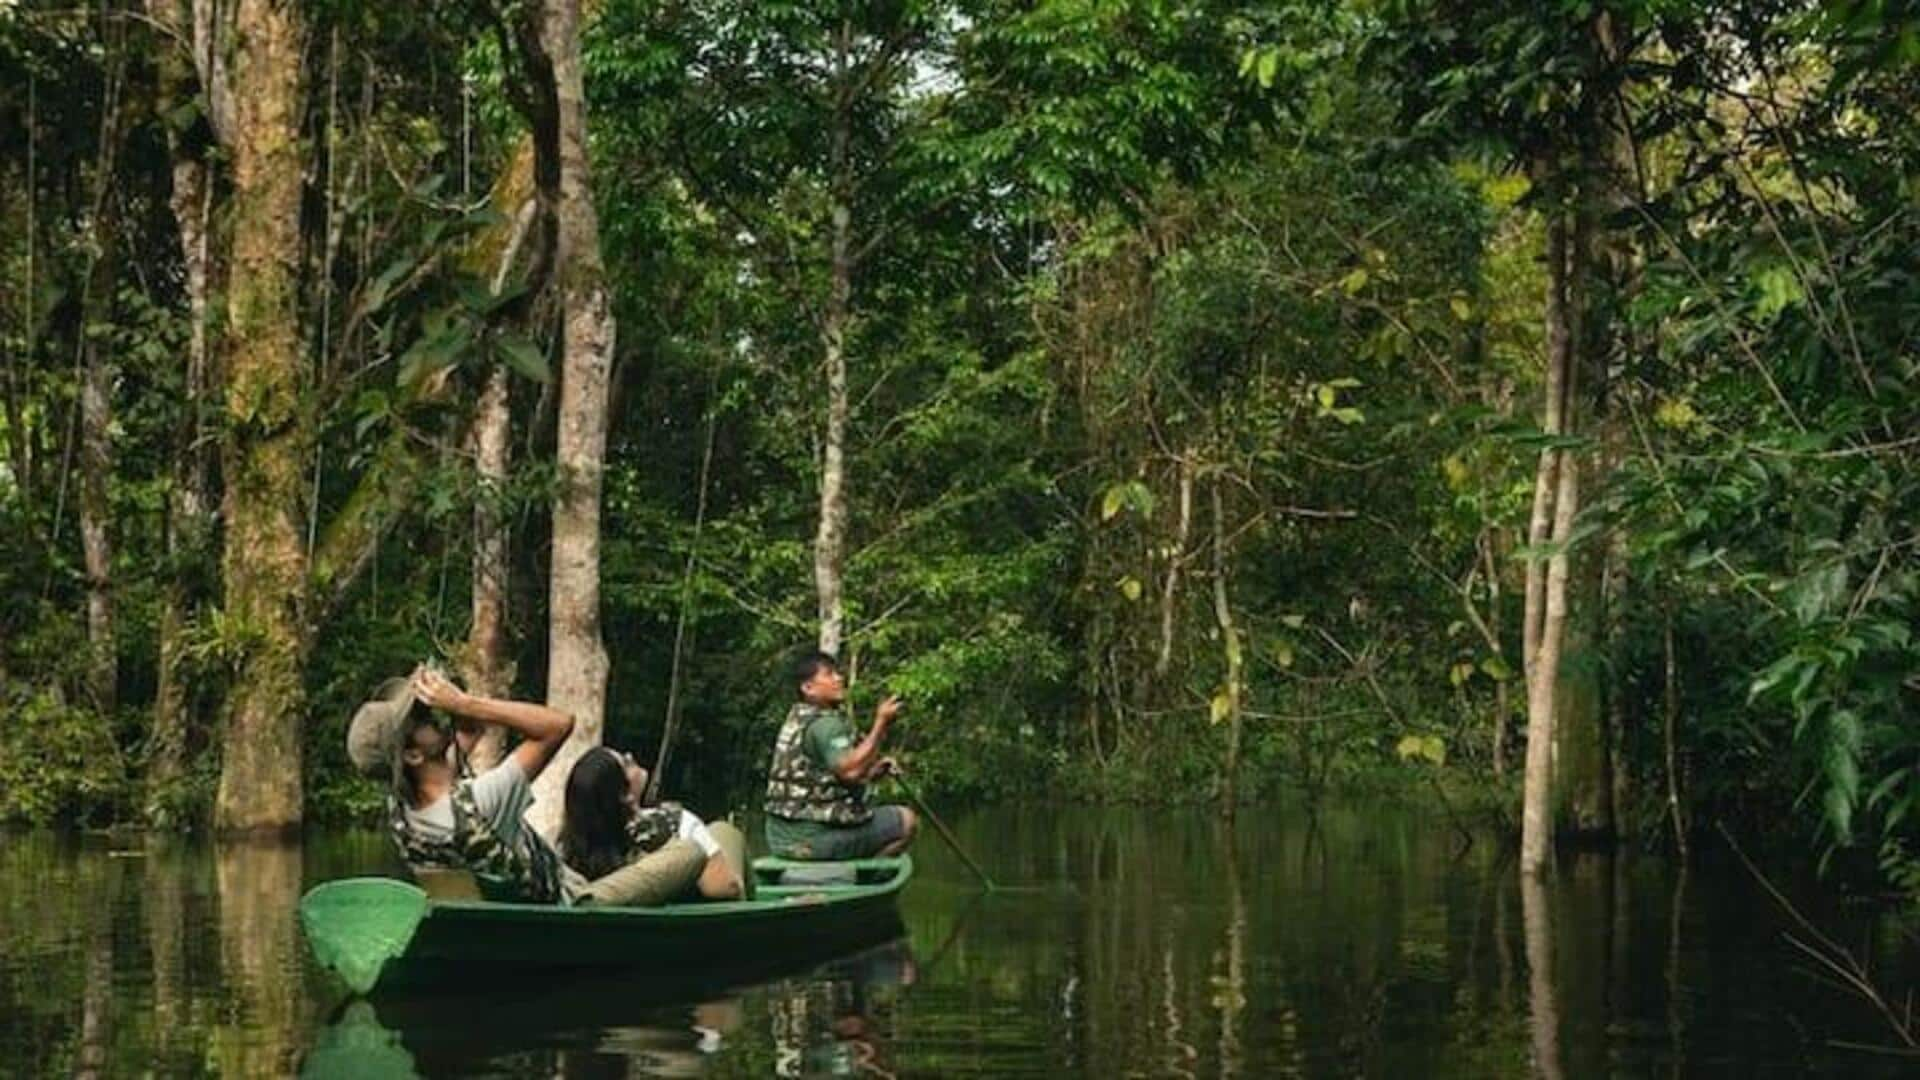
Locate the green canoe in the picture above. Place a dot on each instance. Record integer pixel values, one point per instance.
(385, 933)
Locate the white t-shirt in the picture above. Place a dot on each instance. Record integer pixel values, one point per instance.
(691, 828)
(503, 796)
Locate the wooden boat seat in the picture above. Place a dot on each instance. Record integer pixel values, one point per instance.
(446, 884)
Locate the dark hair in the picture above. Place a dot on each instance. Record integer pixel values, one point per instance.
(806, 663)
(593, 829)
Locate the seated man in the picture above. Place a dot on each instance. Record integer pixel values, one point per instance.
(415, 733)
(817, 787)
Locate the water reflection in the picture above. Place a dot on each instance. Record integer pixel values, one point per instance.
(1150, 944)
(259, 889)
(1543, 996)
(828, 1021)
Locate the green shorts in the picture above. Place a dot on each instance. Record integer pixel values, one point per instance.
(820, 842)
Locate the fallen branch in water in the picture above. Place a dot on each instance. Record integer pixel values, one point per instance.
(1839, 961)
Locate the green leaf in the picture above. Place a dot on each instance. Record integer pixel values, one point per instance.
(1111, 503)
(1428, 748)
(522, 356)
(1283, 652)
(1269, 67)
(1496, 669)
(1130, 587)
(1219, 707)
(377, 291)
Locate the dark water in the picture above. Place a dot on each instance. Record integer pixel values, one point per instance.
(1358, 942)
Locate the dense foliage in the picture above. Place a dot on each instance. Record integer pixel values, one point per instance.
(1195, 353)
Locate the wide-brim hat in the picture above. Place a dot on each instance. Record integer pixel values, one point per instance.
(379, 729)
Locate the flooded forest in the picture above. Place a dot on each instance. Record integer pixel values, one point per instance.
(1394, 522)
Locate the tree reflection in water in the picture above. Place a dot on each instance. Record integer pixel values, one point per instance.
(1363, 942)
(259, 890)
(1543, 1013)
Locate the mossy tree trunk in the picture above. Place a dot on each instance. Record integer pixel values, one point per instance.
(265, 560)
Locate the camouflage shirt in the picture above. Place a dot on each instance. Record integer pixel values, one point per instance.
(521, 867)
(800, 786)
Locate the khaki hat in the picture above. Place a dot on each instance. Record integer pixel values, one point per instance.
(379, 729)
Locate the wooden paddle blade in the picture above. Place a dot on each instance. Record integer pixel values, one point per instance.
(355, 926)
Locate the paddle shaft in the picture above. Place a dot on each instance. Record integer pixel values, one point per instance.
(945, 833)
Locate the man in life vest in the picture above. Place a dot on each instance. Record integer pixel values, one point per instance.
(415, 734)
(817, 786)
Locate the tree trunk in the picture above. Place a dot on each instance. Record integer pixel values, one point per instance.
(1554, 501)
(188, 528)
(1496, 615)
(487, 668)
(1587, 770)
(830, 542)
(96, 468)
(97, 377)
(1230, 644)
(20, 442)
(577, 660)
(265, 562)
(829, 546)
(1669, 725)
(1170, 588)
(486, 665)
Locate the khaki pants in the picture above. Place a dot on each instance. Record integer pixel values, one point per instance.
(733, 846)
(651, 879)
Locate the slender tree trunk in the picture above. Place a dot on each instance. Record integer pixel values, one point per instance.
(96, 469)
(1230, 644)
(188, 527)
(1669, 727)
(97, 378)
(682, 633)
(1496, 614)
(1170, 589)
(487, 667)
(577, 659)
(830, 542)
(19, 439)
(265, 562)
(829, 546)
(1555, 495)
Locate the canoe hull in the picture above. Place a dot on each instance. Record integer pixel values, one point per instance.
(459, 941)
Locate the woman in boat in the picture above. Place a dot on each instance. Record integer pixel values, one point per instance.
(605, 827)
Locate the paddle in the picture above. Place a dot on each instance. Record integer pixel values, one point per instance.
(355, 926)
(941, 827)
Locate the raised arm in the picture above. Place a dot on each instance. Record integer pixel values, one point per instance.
(857, 765)
(542, 729)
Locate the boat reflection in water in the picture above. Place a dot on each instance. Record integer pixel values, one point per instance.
(635, 1023)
